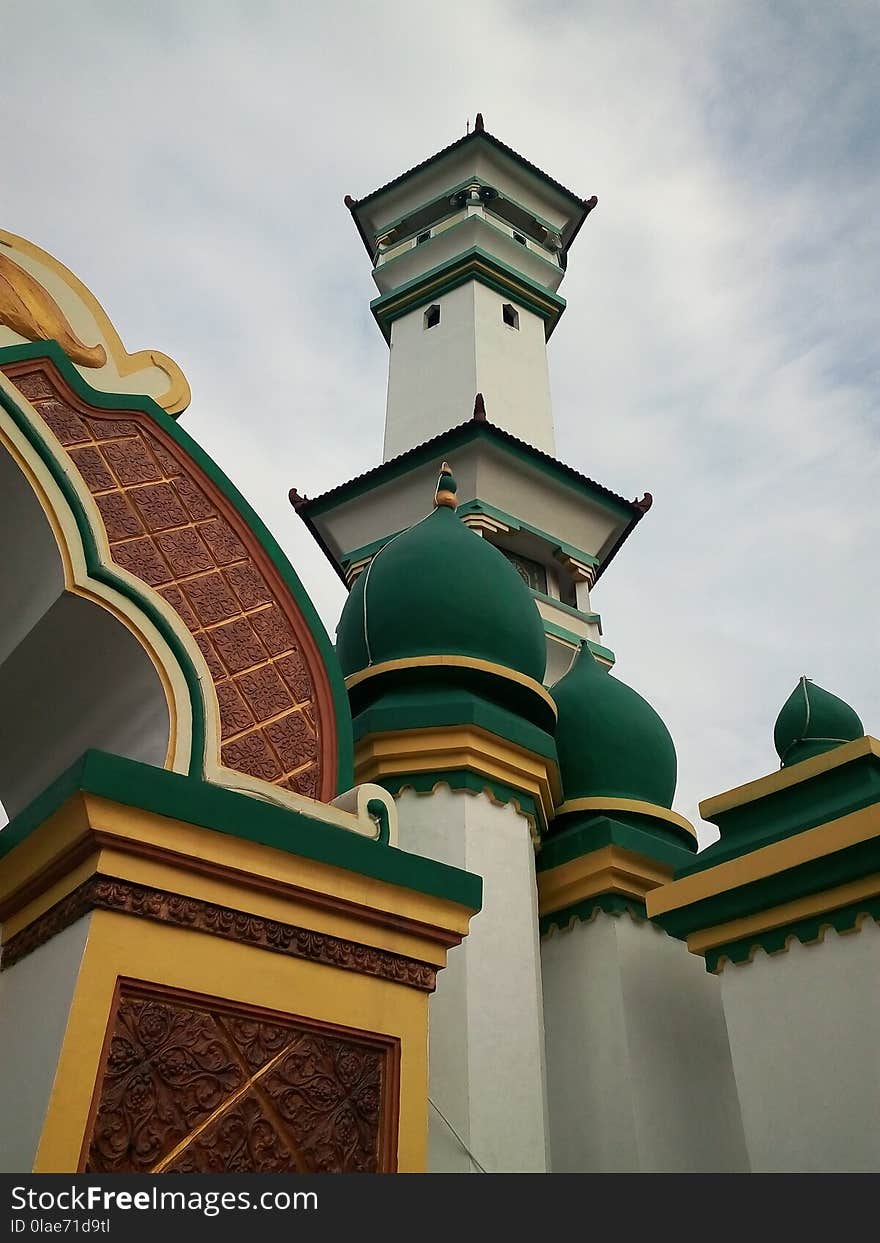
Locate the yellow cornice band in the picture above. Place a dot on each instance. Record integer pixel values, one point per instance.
(809, 907)
(825, 839)
(632, 805)
(788, 777)
(607, 870)
(453, 662)
(443, 748)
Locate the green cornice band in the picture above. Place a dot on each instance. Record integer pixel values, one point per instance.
(807, 931)
(463, 779)
(473, 264)
(584, 834)
(143, 598)
(814, 877)
(178, 797)
(583, 912)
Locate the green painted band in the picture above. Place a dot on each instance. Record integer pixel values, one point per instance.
(238, 815)
(774, 941)
(461, 779)
(573, 836)
(585, 911)
(472, 264)
(518, 524)
(816, 876)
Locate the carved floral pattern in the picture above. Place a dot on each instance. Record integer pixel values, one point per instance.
(168, 525)
(104, 893)
(197, 1085)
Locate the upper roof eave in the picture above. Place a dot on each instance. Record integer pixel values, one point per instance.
(463, 433)
(584, 206)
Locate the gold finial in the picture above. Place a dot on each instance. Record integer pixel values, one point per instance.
(445, 491)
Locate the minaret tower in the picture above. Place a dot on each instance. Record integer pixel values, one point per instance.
(469, 249)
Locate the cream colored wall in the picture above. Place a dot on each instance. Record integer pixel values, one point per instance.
(805, 1037)
(486, 1035)
(638, 1064)
(35, 998)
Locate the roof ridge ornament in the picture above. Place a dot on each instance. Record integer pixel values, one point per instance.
(479, 415)
(479, 127)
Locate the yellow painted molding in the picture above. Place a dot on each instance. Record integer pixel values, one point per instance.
(90, 834)
(468, 747)
(453, 662)
(825, 839)
(632, 805)
(73, 302)
(785, 778)
(606, 870)
(809, 907)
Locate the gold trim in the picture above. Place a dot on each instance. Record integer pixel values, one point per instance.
(178, 395)
(788, 913)
(607, 870)
(788, 777)
(442, 748)
(453, 662)
(90, 834)
(633, 805)
(825, 839)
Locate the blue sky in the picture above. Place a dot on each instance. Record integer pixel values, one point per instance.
(720, 347)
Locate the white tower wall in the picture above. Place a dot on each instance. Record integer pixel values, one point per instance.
(435, 373)
(486, 1033)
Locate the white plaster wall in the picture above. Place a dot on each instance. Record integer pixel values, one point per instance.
(486, 1027)
(805, 1036)
(434, 374)
(512, 369)
(639, 1074)
(35, 997)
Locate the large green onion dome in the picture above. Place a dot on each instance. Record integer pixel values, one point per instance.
(439, 589)
(812, 721)
(609, 740)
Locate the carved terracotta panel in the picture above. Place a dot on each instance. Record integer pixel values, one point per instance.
(170, 525)
(194, 1084)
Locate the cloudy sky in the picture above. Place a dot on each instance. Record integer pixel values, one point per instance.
(720, 348)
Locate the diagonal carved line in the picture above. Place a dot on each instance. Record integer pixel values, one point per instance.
(218, 1113)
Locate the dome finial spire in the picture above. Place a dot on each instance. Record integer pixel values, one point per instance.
(445, 492)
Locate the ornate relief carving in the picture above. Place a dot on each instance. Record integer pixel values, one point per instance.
(105, 893)
(169, 525)
(200, 1085)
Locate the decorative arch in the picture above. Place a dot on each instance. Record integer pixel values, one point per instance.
(153, 531)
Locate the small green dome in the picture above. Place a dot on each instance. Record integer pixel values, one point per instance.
(439, 589)
(812, 721)
(610, 741)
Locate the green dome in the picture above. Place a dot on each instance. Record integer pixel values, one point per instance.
(812, 721)
(610, 741)
(439, 589)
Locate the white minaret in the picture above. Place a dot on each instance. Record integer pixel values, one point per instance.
(468, 250)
